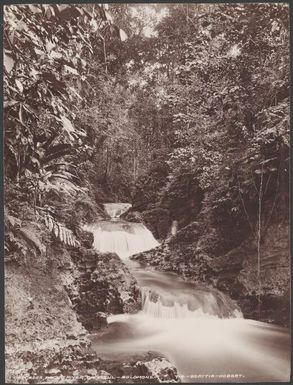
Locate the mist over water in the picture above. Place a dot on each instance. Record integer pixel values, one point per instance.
(200, 330)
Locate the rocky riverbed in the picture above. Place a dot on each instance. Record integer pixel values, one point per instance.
(234, 273)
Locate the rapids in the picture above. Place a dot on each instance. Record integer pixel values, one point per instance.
(200, 330)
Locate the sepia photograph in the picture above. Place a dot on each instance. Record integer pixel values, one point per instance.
(146, 193)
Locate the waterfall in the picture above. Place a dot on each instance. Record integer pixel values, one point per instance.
(124, 239)
(115, 210)
(188, 304)
(199, 329)
(181, 299)
(120, 237)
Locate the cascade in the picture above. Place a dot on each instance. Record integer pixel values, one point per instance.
(181, 299)
(120, 237)
(199, 329)
(124, 239)
(193, 304)
(115, 210)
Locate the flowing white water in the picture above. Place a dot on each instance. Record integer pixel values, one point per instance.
(200, 330)
(184, 306)
(115, 210)
(122, 238)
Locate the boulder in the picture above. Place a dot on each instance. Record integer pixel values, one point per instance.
(73, 361)
(235, 273)
(104, 285)
(132, 216)
(158, 221)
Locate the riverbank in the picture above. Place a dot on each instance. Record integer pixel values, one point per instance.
(234, 273)
(54, 301)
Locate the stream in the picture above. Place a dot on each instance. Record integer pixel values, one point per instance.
(200, 330)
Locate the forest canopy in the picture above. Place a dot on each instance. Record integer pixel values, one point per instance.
(96, 95)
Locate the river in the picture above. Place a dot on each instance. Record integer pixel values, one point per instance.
(200, 330)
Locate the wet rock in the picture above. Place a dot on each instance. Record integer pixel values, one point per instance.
(189, 234)
(100, 321)
(132, 216)
(158, 221)
(235, 273)
(104, 284)
(179, 254)
(85, 238)
(160, 369)
(64, 362)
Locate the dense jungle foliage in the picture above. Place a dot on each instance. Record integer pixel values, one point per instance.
(103, 101)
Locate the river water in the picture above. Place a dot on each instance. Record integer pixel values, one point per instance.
(200, 330)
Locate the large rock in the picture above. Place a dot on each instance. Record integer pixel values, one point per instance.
(132, 216)
(104, 284)
(158, 221)
(179, 254)
(236, 274)
(74, 362)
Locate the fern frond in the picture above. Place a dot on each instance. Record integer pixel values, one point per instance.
(60, 231)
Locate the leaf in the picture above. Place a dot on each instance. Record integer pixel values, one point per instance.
(19, 85)
(67, 125)
(11, 36)
(61, 233)
(268, 160)
(14, 221)
(56, 229)
(8, 62)
(50, 223)
(57, 151)
(66, 236)
(50, 45)
(70, 239)
(94, 24)
(46, 220)
(30, 110)
(63, 165)
(35, 161)
(39, 52)
(49, 12)
(34, 8)
(73, 90)
(108, 16)
(123, 35)
(64, 175)
(70, 69)
(10, 103)
(20, 114)
(260, 171)
(55, 55)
